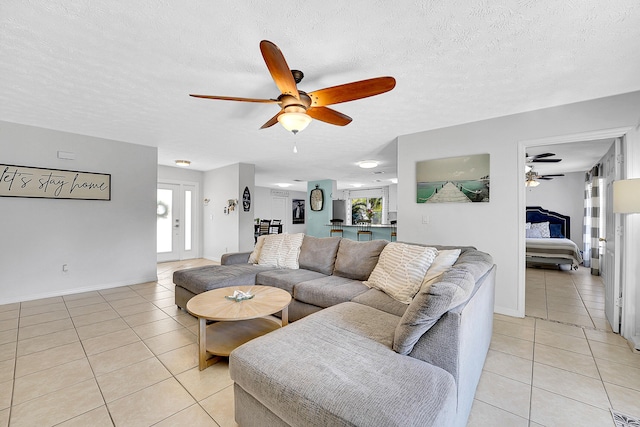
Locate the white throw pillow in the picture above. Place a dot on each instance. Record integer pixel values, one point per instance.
(281, 250)
(255, 255)
(400, 270)
(445, 259)
(543, 227)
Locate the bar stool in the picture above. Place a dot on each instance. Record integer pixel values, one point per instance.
(394, 229)
(364, 227)
(336, 227)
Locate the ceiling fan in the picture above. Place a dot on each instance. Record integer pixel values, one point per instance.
(542, 158)
(298, 108)
(532, 177)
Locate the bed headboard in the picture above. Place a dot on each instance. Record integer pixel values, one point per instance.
(539, 214)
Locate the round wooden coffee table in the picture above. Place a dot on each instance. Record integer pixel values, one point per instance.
(236, 322)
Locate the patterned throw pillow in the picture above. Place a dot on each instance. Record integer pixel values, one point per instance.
(400, 270)
(281, 250)
(255, 255)
(543, 227)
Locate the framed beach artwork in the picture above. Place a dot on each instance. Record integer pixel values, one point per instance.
(462, 179)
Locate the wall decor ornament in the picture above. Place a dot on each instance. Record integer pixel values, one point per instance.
(246, 200)
(297, 206)
(26, 181)
(316, 199)
(453, 180)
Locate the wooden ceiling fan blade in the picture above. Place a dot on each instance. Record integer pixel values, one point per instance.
(234, 98)
(272, 121)
(351, 91)
(327, 115)
(280, 71)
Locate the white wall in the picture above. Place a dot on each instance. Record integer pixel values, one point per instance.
(231, 232)
(494, 227)
(564, 195)
(104, 243)
(263, 196)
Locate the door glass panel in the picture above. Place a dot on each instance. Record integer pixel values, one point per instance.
(187, 220)
(164, 224)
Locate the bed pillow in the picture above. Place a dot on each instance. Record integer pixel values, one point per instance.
(281, 250)
(444, 260)
(533, 233)
(543, 227)
(400, 270)
(555, 230)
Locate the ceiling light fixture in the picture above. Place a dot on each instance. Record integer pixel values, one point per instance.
(356, 185)
(283, 185)
(368, 164)
(294, 121)
(183, 163)
(531, 183)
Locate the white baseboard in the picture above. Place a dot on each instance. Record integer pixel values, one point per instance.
(72, 291)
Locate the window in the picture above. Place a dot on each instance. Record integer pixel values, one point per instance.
(370, 204)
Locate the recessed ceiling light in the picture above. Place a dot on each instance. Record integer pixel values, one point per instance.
(368, 164)
(283, 185)
(356, 185)
(183, 163)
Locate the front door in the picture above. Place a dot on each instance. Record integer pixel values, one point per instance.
(176, 219)
(612, 250)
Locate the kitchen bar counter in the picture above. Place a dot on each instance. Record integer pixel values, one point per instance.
(379, 231)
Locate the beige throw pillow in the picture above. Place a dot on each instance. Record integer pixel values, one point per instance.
(281, 250)
(445, 259)
(400, 270)
(255, 255)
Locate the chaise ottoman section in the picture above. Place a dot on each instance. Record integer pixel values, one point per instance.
(337, 368)
(193, 281)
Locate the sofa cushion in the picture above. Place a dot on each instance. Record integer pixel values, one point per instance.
(319, 254)
(356, 260)
(400, 270)
(336, 367)
(381, 301)
(286, 279)
(328, 291)
(281, 250)
(452, 289)
(201, 279)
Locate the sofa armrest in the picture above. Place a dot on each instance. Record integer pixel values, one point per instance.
(235, 258)
(459, 342)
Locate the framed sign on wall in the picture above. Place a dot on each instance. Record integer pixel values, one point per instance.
(25, 181)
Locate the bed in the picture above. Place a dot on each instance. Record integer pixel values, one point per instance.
(548, 241)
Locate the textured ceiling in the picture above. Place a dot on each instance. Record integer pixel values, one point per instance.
(123, 70)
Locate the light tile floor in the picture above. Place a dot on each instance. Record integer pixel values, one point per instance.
(561, 365)
(127, 357)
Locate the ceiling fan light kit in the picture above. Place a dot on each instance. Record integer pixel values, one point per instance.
(298, 108)
(294, 122)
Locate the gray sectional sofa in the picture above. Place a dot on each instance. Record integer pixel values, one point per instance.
(353, 355)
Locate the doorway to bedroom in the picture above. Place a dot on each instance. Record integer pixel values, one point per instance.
(552, 289)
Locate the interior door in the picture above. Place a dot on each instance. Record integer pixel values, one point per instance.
(279, 210)
(612, 248)
(176, 220)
